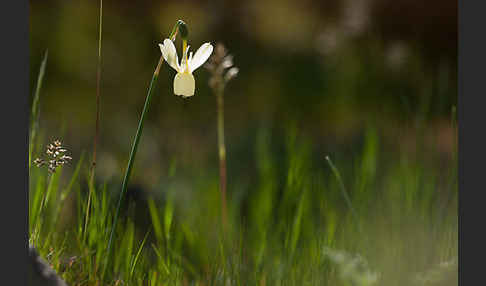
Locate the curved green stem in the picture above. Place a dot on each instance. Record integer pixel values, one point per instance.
(133, 151)
(131, 159)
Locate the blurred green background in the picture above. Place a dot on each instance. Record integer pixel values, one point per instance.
(371, 83)
(333, 67)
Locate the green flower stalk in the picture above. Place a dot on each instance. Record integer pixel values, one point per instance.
(218, 65)
(181, 27)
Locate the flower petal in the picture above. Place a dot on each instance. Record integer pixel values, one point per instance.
(201, 56)
(170, 54)
(184, 84)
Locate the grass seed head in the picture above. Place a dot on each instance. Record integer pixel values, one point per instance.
(221, 67)
(57, 157)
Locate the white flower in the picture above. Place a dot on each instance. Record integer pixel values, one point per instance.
(184, 83)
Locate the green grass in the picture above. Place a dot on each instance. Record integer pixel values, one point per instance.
(281, 230)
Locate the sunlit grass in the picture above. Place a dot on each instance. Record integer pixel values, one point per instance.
(278, 233)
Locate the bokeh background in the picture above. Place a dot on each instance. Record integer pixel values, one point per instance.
(329, 73)
(331, 67)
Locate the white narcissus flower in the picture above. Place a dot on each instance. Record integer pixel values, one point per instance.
(184, 83)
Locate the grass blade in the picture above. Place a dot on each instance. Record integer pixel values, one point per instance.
(343, 189)
(155, 221)
(35, 109)
(138, 254)
(74, 177)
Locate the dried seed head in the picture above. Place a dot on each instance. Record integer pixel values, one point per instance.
(56, 157)
(231, 73)
(227, 62)
(220, 62)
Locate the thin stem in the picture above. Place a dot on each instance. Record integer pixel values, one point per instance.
(131, 159)
(97, 125)
(343, 189)
(133, 151)
(35, 109)
(222, 152)
(98, 81)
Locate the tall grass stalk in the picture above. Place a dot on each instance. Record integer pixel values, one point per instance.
(97, 124)
(35, 108)
(219, 62)
(222, 152)
(133, 151)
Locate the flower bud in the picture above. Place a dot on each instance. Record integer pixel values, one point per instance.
(183, 29)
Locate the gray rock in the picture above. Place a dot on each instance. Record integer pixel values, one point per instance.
(40, 273)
